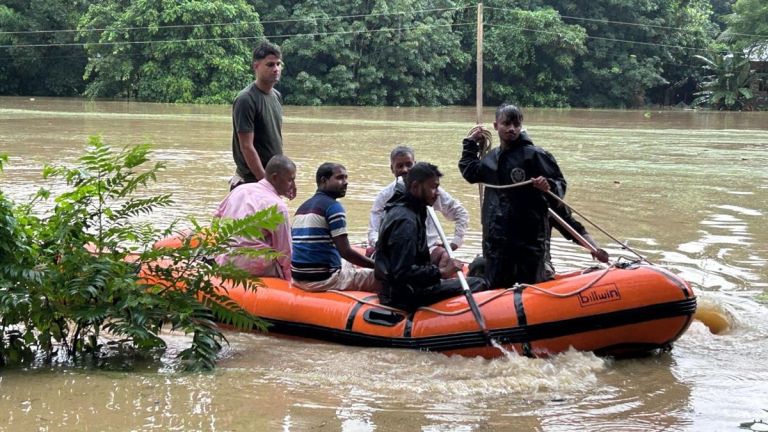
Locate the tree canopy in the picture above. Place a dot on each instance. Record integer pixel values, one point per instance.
(190, 51)
(748, 25)
(387, 52)
(593, 53)
(48, 64)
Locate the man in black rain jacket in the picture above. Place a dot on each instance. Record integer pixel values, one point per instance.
(402, 260)
(515, 220)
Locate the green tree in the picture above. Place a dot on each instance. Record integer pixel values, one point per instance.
(728, 84)
(748, 26)
(169, 51)
(364, 52)
(632, 47)
(529, 56)
(720, 9)
(69, 274)
(52, 66)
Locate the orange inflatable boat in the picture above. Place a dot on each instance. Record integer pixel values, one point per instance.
(627, 309)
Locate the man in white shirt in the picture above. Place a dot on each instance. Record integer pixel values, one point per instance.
(401, 159)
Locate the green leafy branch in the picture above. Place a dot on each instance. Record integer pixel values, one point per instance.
(70, 274)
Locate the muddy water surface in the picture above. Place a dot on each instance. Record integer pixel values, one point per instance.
(687, 189)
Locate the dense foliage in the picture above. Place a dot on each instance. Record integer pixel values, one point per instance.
(48, 64)
(385, 53)
(606, 53)
(190, 51)
(748, 26)
(531, 57)
(634, 47)
(70, 288)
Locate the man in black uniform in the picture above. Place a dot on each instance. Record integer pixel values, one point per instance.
(515, 219)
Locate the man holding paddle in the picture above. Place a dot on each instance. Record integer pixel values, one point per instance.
(402, 261)
(562, 218)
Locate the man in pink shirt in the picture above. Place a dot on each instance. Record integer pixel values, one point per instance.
(249, 198)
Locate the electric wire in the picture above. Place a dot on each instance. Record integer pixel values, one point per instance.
(605, 21)
(314, 34)
(654, 44)
(234, 23)
(147, 42)
(310, 19)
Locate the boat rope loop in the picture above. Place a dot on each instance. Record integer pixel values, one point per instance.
(561, 201)
(519, 286)
(489, 299)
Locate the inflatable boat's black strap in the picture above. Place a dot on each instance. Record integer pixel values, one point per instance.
(521, 318)
(408, 326)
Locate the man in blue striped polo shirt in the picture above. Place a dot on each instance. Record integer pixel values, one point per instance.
(322, 257)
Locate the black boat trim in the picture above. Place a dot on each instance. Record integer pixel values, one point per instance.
(356, 308)
(517, 335)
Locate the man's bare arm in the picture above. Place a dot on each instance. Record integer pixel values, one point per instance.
(250, 155)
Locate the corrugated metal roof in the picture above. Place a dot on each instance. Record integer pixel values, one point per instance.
(757, 52)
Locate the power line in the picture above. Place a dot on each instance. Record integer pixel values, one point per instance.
(312, 34)
(605, 21)
(238, 23)
(146, 42)
(601, 38)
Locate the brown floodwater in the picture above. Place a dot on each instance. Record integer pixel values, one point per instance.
(687, 189)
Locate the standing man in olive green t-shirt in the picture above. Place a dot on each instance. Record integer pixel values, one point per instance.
(257, 118)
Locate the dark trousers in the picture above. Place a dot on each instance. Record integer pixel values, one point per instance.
(503, 271)
(411, 299)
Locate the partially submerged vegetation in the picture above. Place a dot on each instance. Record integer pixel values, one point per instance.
(69, 269)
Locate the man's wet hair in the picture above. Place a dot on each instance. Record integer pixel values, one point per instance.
(279, 164)
(509, 113)
(401, 150)
(421, 172)
(326, 171)
(264, 49)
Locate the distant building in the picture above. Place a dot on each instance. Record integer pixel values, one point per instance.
(758, 59)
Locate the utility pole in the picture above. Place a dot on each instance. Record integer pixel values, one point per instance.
(479, 73)
(479, 87)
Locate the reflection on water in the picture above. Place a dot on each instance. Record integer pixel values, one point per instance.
(687, 189)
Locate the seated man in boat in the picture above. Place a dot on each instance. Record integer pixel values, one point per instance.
(403, 263)
(401, 159)
(323, 259)
(249, 198)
